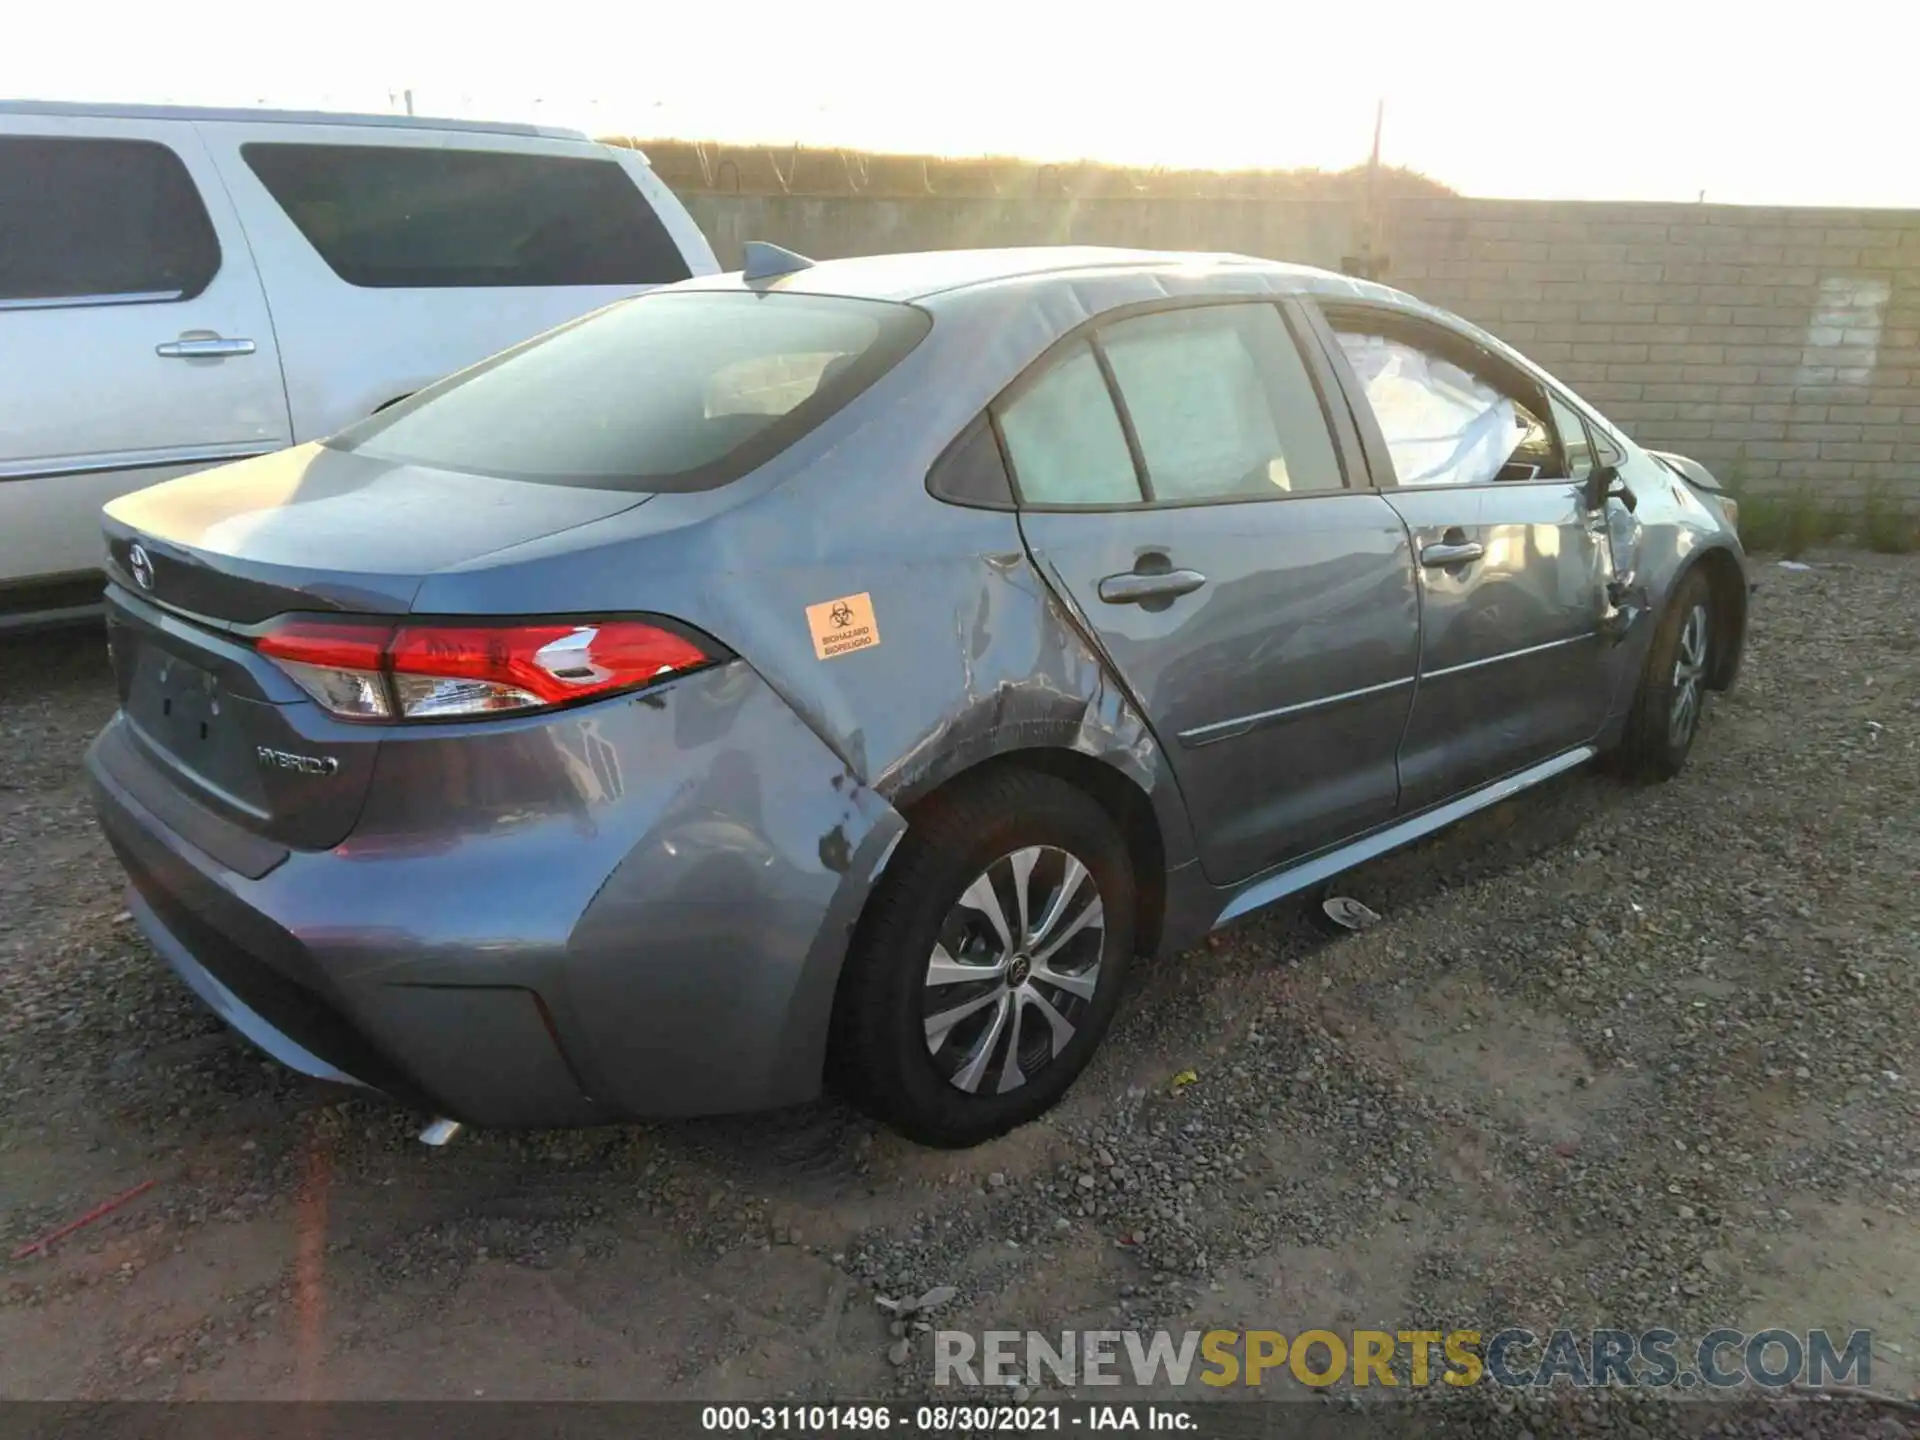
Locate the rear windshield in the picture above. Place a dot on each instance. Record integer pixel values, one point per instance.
(676, 390)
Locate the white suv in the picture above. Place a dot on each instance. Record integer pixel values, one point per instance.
(184, 287)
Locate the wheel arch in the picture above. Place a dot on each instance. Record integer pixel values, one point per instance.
(1727, 586)
(1126, 803)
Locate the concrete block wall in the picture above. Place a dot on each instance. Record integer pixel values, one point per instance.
(1779, 346)
(830, 227)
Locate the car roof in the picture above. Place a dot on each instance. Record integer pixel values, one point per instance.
(262, 115)
(1091, 279)
(923, 274)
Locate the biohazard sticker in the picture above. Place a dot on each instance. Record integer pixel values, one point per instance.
(842, 626)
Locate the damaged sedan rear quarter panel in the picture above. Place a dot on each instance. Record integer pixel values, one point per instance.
(976, 657)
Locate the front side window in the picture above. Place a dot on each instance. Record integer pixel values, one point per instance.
(400, 216)
(674, 390)
(97, 219)
(1446, 424)
(1573, 438)
(1064, 437)
(1221, 403)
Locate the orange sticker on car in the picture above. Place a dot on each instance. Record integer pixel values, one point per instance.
(842, 626)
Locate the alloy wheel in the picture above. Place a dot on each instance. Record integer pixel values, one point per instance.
(1013, 973)
(1689, 678)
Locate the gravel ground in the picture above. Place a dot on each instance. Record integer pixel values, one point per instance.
(1616, 1056)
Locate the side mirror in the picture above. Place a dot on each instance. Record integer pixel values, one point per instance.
(1607, 485)
(1604, 482)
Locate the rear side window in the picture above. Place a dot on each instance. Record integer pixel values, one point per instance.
(1064, 437)
(418, 217)
(1222, 404)
(972, 470)
(675, 390)
(100, 220)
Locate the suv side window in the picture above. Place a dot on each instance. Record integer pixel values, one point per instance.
(1447, 419)
(413, 217)
(92, 220)
(1064, 438)
(1221, 403)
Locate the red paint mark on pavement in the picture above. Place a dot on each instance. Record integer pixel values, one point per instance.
(105, 1207)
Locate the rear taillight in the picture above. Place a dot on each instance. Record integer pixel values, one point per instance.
(338, 663)
(373, 671)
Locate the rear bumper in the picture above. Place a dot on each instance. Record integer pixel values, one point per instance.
(634, 909)
(227, 1005)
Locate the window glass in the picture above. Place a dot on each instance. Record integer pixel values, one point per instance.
(91, 218)
(674, 390)
(767, 384)
(1574, 443)
(388, 216)
(1443, 424)
(1222, 404)
(972, 472)
(1064, 437)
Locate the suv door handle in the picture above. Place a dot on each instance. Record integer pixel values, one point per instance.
(1130, 587)
(203, 347)
(1452, 554)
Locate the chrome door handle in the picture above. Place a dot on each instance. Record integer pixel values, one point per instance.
(1452, 554)
(1130, 587)
(212, 345)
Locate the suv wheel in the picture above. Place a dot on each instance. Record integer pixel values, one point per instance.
(989, 960)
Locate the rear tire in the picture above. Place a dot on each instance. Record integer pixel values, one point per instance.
(1025, 879)
(1667, 707)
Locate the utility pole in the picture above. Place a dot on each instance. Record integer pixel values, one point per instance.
(1373, 162)
(409, 95)
(1370, 264)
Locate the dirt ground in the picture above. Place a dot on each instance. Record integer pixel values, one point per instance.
(1616, 1055)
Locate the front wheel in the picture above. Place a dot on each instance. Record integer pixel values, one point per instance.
(1673, 686)
(989, 961)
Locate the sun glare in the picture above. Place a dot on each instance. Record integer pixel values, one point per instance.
(1660, 101)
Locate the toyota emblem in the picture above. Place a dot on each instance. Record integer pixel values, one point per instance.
(141, 564)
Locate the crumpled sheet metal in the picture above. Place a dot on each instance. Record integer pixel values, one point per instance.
(1050, 691)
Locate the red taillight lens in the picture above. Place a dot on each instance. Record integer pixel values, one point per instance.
(438, 672)
(338, 663)
(479, 670)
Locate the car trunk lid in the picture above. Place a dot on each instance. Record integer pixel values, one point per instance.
(200, 565)
(315, 528)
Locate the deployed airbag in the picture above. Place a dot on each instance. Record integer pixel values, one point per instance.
(1443, 426)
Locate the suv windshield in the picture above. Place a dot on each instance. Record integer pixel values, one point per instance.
(676, 390)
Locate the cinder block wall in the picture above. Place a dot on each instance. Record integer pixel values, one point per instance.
(1780, 346)
(827, 227)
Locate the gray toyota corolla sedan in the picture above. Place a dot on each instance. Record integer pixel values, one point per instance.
(841, 671)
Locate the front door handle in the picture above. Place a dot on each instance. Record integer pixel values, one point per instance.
(1452, 554)
(202, 347)
(1130, 587)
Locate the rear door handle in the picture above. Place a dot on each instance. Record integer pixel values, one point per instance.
(1130, 587)
(201, 348)
(1452, 554)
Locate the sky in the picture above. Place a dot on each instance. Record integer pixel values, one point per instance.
(1788, 103)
